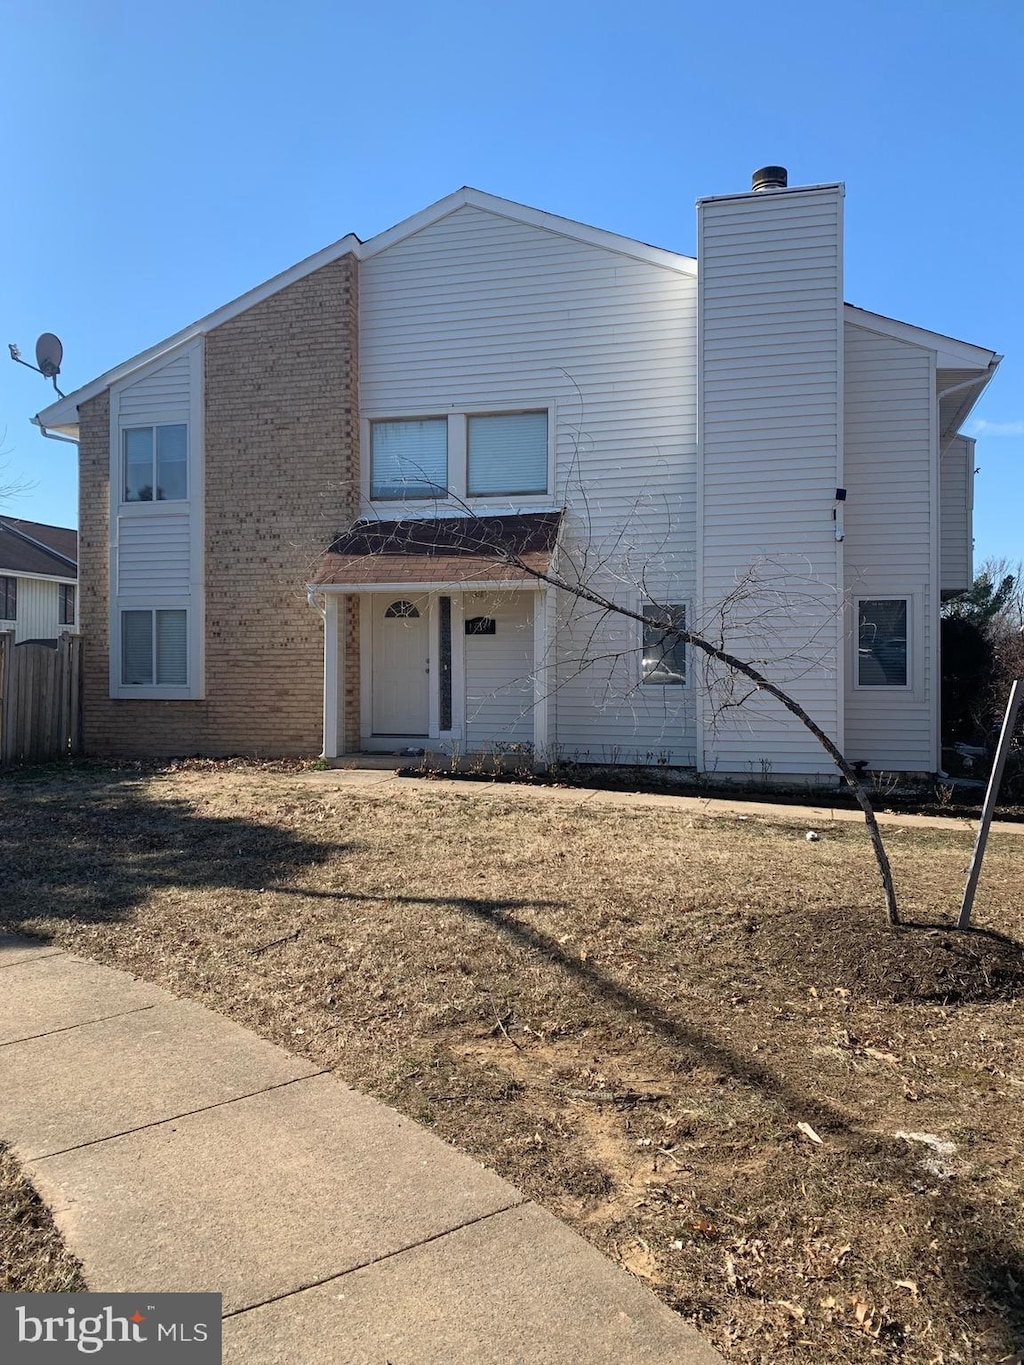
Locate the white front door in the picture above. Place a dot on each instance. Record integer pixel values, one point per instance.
(401, 666)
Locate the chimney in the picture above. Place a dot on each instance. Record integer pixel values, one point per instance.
(769, 178)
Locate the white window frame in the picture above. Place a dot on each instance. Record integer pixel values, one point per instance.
(900, 689)
(645, 684)
(412, 497)
(127, 426)
(508, 493)
(152, 691)
(457, 498)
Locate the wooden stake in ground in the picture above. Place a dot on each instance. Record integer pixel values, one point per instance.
(1002, 750)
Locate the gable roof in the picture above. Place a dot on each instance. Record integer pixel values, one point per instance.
(32, 547)
(62, 416)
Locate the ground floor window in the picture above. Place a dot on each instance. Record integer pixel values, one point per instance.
(8, 598)
(664, 654)
(883, 656)
(67, 604)
(154, 648)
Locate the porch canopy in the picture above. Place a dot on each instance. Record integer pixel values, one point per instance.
(498, 549)
(414, 663)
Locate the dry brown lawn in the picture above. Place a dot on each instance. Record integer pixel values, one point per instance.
(688, 1037)
(33, 1258)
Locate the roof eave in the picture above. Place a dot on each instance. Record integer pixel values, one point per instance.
(951, 353)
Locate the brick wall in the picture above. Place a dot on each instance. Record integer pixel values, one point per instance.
(281, 448)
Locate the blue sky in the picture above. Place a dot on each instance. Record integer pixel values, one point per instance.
(162, 159)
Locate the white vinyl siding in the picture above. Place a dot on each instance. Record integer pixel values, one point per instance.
(38, 608)
(478, 314)
(957, 498)
(165, 389)
(156, 554)
(499, 670)
(891, 459)
(507, 453)
(772, 457)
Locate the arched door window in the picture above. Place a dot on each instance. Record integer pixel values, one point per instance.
(401, 609)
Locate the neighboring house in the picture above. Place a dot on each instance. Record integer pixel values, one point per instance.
(38, 579)
(292, 511)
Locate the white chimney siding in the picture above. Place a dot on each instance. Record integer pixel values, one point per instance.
(770, 437)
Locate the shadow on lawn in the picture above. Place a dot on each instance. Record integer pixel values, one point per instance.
(91, 848)
(982, 1267)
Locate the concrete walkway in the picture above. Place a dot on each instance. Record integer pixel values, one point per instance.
(178, 1151)
(377, 778)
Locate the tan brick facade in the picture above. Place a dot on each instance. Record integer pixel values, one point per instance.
(281, 453)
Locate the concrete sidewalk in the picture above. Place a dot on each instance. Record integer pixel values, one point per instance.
(376, 778)
(179, 1151)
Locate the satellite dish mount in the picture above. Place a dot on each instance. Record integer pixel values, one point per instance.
(49, 354)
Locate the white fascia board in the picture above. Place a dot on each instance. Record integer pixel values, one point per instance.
(770, 194)
(63, 415)
(444, 586)
(38, 577)
(951, 353)
(522, 213)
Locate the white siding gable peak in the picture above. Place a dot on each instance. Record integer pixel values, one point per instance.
(63, 416)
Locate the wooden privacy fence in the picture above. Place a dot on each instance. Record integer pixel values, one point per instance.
(40, 699)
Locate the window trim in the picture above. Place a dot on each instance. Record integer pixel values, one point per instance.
(439, 496)
(644, 680)
(121, 513)
(545, 492)
(901, 688)
(457, 496)
(165, 690)
(152, 425)
(62, 591)
(9, 578)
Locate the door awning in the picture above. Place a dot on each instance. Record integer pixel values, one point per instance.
(498, 549)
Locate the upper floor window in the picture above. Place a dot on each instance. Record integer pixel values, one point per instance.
(8, 598)
(66, 616)
(882, 642)
(409, 458)
(507, 453)
(156, 463)
(664, 657)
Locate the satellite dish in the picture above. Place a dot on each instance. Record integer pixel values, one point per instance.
(49, 354)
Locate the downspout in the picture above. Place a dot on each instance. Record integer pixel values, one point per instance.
(53, 435)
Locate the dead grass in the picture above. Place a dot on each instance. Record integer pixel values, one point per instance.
(627, 1012)
(33, 1259)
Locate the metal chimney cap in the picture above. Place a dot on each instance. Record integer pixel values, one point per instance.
(770, 178)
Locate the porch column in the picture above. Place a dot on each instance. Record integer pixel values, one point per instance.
(333, 670)
(543, 674)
